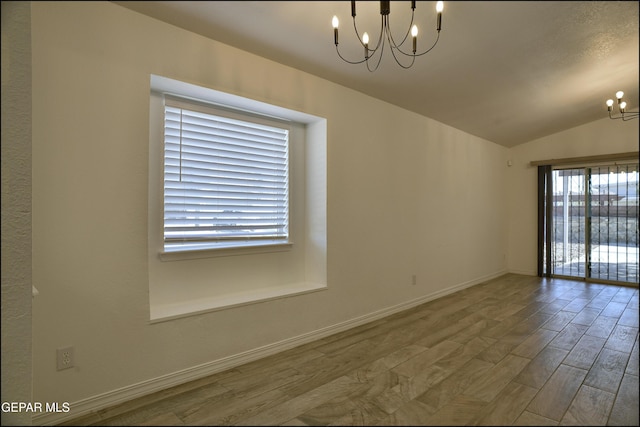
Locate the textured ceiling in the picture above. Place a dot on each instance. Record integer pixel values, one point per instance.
(506, 71)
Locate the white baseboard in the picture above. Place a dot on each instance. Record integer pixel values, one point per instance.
(133, 391)
(523, 272)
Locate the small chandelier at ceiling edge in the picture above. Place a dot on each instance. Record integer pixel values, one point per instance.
(387, 37)
(622, 106)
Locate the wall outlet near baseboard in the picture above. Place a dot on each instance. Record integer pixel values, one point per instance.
(64, 358)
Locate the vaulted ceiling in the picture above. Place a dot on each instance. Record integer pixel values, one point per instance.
(505, 71)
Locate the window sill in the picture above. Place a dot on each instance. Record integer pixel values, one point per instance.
(191, 308)
(178, 254)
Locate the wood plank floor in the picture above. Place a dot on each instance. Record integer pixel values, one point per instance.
(516, 350)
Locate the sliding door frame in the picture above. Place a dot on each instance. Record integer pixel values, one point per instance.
(545, 208)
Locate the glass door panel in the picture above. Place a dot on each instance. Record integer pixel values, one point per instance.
(593, 230)
(613, 231)
(568, 249)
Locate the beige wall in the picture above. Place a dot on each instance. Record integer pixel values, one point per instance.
(403, 194)
(604, 136)
(16, 209)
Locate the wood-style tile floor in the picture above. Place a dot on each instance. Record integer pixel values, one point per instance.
(516, 350)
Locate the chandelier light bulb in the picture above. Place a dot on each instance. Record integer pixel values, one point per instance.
(619, 94)
(365, 41)
(609, 102)
(623, 105)
(439, 6)
(414, 34)
(335, 22)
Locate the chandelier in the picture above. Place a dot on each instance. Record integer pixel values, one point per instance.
(386, 36)
(622, 106)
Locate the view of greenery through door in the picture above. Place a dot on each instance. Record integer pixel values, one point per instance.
(594, 224)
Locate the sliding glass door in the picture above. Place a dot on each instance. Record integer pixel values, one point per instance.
(591, 223)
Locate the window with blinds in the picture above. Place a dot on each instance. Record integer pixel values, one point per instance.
(226, 178)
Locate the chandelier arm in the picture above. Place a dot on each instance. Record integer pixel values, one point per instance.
(421, 53)
(392, 42)
(626, 116)
(432, 46)
(355, 28)
(379, 59)
(614, 118)
(346, 60)
(380, 42)
(413, 58)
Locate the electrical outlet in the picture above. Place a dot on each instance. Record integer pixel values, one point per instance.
(414, 280)
(64, 358)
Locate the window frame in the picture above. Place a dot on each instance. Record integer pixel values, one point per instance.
(184, 284)
(161, 87)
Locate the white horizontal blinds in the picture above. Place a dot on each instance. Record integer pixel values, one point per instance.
(225, 179)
